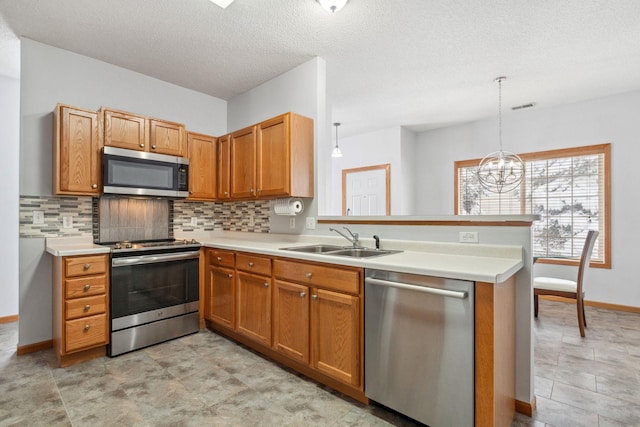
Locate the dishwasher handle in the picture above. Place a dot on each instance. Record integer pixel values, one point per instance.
(425, 289)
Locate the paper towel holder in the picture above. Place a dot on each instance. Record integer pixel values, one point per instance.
(289, 206)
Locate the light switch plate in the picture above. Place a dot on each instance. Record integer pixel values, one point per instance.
(311, 223)
(292, 222)
(194, 221)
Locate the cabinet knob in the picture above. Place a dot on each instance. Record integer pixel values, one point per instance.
(153, 146)
(87, 327)
(230, 275)
(258, 190)
(226, 193)
(309, 275)
(87, 266)
(303, 294)
(94, 185)
(87, 287)
(251, 190)
(266, 285)
(314, 296)
(219, 259)
(141, 145)
(250, 264)
(87, 307)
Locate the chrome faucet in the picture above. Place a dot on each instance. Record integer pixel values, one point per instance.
(353, 239)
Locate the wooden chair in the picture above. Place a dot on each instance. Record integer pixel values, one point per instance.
(567, 288)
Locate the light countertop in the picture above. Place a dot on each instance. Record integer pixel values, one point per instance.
(476, 262)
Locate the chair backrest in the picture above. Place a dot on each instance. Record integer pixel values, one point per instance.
(589, 242)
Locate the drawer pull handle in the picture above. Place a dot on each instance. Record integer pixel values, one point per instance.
(314, 296)
(266, 285)
(87, 266)
(87, 307)
(250, 264)
(87, 327)
(87, 287)
(309, 275)
(303, 294)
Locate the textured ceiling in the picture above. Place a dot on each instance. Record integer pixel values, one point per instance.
(416, 63)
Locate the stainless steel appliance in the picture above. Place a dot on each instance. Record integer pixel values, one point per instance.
(154, 293)
(144, 174)
(419, 346)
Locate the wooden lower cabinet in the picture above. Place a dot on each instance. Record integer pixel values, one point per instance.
(221, 296)
(80, 307)
(254, 307)
(291, 320)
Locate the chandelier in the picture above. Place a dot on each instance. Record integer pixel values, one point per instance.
(501, 170)
(336, 150)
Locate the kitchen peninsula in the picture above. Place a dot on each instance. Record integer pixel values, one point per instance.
(283, 273)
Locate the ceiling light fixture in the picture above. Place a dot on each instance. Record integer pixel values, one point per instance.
(501, 170)
(336, 150)
(332, 6)
(222, 3)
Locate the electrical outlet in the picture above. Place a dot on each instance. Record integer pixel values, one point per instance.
(67, 222)
(468, 237)
(194, 221)
(38, 217)
(311, 223)
(292, 222)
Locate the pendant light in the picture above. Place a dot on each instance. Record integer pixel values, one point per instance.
(332, 6)
(336, 150)
(501, 170)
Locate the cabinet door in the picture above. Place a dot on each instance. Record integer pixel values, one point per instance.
(291, 320)
(77, 162)
(254, 307)
(124, 130)
(243, 163)
(167, 138)
(202, 166)
(221, 296)
(335, 335)
(224, 167)
(273, 162)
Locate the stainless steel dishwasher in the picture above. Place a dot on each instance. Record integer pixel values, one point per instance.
(419, 346)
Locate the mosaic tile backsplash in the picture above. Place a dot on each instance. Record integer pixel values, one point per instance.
(83, 216)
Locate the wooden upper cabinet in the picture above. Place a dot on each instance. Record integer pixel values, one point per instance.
(202, 166)
(167, 138)
(77, 166)
(125, 130)
(243, 163)
(224, 167)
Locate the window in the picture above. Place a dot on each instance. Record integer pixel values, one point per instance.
(568, 188)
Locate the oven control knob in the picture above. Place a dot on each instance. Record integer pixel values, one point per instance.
(193, 241)
(117, 246)
(127, 245)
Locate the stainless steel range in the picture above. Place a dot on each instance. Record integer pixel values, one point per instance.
(154, 293)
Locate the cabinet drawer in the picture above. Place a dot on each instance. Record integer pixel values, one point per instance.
(318, 275)
(254, 264)
(86, 332)
(86, 265)
(85, 286)
(222, 258)
(82, 307)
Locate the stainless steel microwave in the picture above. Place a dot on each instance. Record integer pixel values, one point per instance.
(144, 174)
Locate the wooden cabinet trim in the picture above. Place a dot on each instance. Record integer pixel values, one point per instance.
(253, 264)
(319, 275)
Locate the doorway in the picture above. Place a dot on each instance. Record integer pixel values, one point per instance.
(366, 191)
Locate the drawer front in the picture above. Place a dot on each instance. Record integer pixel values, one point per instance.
(89, 306)
(222, 259)
(318, 275)
(86, 265)
(86, 332)
(254, 264)
(85, 286)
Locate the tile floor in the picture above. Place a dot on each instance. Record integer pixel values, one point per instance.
(204, 379)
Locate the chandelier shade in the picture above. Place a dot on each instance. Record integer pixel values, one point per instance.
(501, 170)
(336, 150)
(332, 6)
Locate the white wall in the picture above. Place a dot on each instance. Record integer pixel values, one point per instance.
(9, 196)
(607, 120)
(50, 75)
(301, 90)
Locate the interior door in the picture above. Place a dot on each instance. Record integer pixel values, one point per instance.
(365, 191)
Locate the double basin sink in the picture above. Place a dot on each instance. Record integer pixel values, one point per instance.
(341, 251)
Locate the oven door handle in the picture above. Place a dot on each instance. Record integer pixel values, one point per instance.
(152, 259)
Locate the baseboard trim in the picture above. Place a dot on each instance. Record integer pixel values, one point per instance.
(526, 408)
(596, 304)
(9, 319)
(36, 346)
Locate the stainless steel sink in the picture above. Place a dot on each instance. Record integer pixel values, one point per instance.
(362, 253)
(340, 251)
(314, 249)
